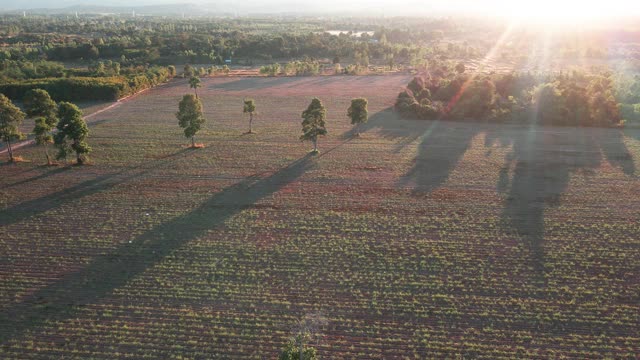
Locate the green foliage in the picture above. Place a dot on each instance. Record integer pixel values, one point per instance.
(88, 88)
(195, 83)
(476, 100)
(172, 70)
(576, 99)
(12, 70)
(355, 69)
(38, 103)
(249, 106)
(190, 116)
(270, 70)
(292, 352)
(10, 119)
(42, 131)
(313, 122)
(548, 105)
(188, 71)
(302, 68)
(72, 133)
(358, 112)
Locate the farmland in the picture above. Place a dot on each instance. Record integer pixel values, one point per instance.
(417, 239)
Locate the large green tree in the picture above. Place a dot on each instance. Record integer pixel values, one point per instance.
(10, 119)
(195, 83)
(313, 123)
(250, 108)
(358, 113)
(190, 116)
(72, 133)
(39, 105)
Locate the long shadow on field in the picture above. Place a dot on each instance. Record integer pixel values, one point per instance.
(441, 148)
(441, 145)
(49, 172)
(542, 161)
(89, 187)
(104, 274)
(391, 126)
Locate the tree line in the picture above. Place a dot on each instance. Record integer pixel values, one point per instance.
(60, 124)
(576, 98)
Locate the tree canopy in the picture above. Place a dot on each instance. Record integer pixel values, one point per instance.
(72, 133)
(313, 123)
(190, 116)
(40, 106)
(358, 112)
(249, 108)
(10, 119)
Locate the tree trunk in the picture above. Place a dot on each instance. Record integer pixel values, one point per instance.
(196, 91)
(46, 152)
(301, 347)
(193, 142)
(250, 123)
(79, 160)
(9, 150)
(315, 144)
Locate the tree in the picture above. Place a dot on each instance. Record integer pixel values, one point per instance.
(249, 108)
(39, 105)
(172, 70)
(306, 330)
(313, 123)
(292, 351)
(72, 133)
(190, 116)
(195, 83)
(10, 119)
(188, 70)
(358, 113)
(548, 105)
(460, 68)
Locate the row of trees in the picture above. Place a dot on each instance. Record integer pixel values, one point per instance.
(191, 117)
(82, 88)
(59, 124)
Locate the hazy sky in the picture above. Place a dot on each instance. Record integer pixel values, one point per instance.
(547, 9)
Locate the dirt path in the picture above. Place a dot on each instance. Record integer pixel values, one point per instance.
(125, 99)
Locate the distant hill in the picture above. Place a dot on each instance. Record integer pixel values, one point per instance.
(194, 7)
(155, 10)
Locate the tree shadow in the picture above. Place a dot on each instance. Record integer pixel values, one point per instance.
(61, 299)
(441, 147)
(50, 172)
(611, 142)
(89, 187)
(391, 126)
(542, 161)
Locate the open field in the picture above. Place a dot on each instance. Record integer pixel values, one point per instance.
(418, 239)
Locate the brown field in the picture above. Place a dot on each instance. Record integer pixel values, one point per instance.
(418, 239)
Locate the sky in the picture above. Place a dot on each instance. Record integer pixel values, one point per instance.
(545, 10)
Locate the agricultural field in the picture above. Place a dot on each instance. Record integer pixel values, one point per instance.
(417, 239)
